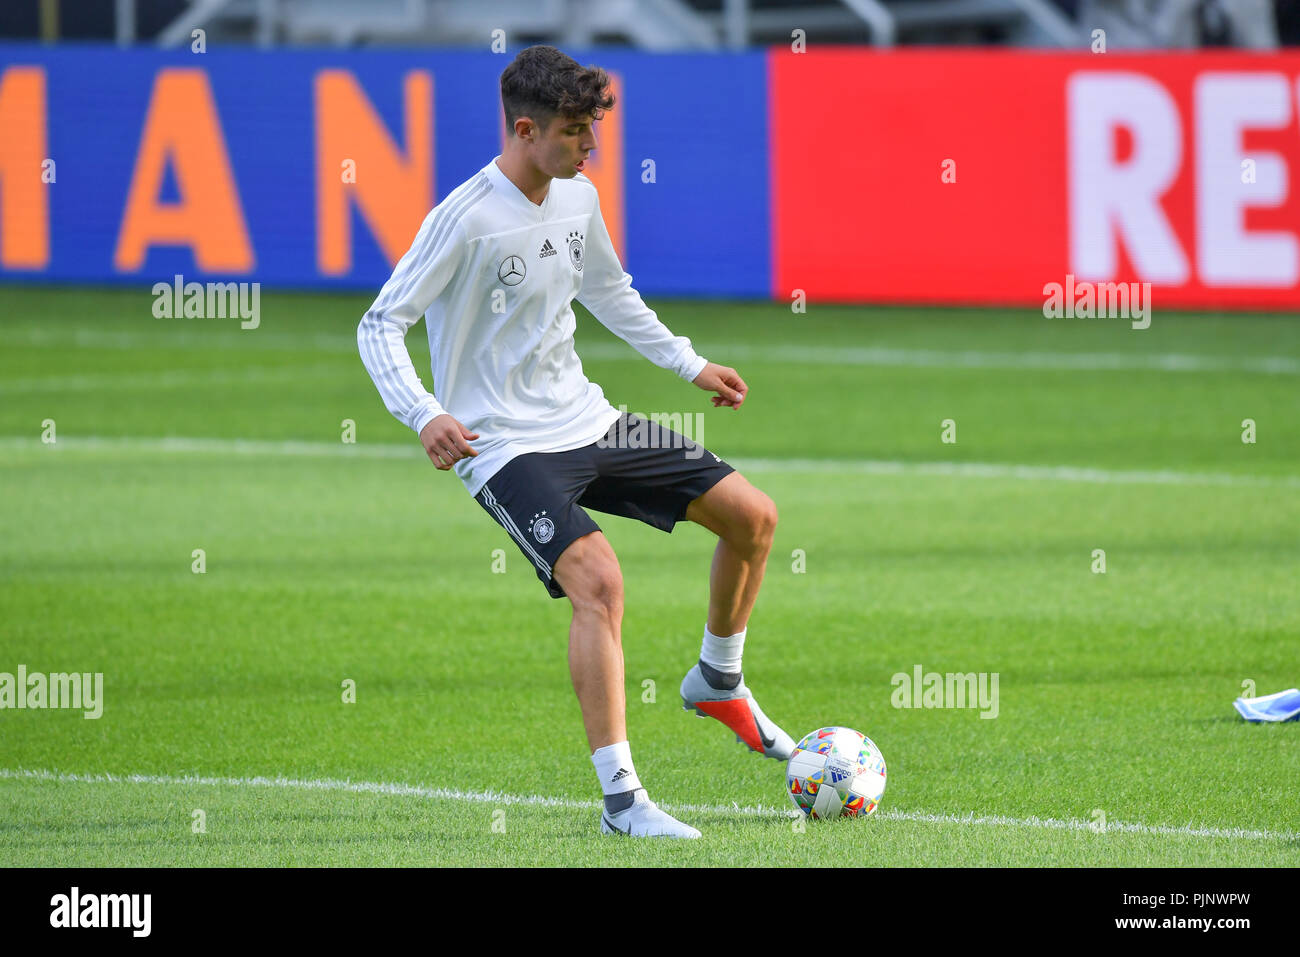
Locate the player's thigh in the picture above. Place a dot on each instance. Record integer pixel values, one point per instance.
(589, 572)
(735, 509)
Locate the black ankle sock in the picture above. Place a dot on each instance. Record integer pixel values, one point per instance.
(620, 802)
(718, 680)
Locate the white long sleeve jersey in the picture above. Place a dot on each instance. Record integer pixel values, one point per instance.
(494, 276)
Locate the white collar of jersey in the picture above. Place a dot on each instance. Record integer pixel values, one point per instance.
(512, 192)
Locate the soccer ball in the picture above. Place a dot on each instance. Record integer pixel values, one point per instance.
(835, 771)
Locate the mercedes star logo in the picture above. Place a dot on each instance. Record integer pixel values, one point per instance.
(512, 271)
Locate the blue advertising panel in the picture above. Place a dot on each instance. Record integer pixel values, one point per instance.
(131, 166)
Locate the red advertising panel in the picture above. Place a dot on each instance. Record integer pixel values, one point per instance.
(982, 177)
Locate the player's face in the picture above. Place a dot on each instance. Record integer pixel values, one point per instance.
(565, 145)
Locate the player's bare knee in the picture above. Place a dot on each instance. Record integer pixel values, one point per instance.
(766, 515)
(589, 571)
(756, 527)
(600, 592)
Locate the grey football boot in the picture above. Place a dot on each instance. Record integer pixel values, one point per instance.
(737, 709)
(642, 818)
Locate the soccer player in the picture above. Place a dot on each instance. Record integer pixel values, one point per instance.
(494, 270)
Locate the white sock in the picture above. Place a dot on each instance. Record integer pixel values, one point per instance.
(723, 653)
(615, 769)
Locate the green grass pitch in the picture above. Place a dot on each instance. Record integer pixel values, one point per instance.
(328, 562)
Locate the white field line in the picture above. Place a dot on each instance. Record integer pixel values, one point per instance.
(175, 378)
(211, 446)
(498, 797)
(784, 353)
(993, 470)
(221, 336)
(976, 359)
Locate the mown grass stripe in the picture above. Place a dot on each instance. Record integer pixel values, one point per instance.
(993, 470)
(500, 797)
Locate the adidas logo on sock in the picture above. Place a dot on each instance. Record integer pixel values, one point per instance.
(620, 775)
(547, 250)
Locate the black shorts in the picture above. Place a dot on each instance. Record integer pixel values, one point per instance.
(638, 470)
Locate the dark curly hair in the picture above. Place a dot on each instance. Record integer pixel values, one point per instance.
(543, 83)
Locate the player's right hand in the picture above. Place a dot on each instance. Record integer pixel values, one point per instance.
(444, 441)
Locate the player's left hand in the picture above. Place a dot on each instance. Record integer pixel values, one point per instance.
(726, 382)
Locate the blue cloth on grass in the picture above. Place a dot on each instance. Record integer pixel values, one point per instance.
(1283, 706)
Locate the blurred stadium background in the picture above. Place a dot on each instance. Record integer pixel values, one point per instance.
(663, 25)
(858, 204)
(795, 153)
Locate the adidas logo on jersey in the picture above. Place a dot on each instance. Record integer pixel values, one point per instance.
(547, 250)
